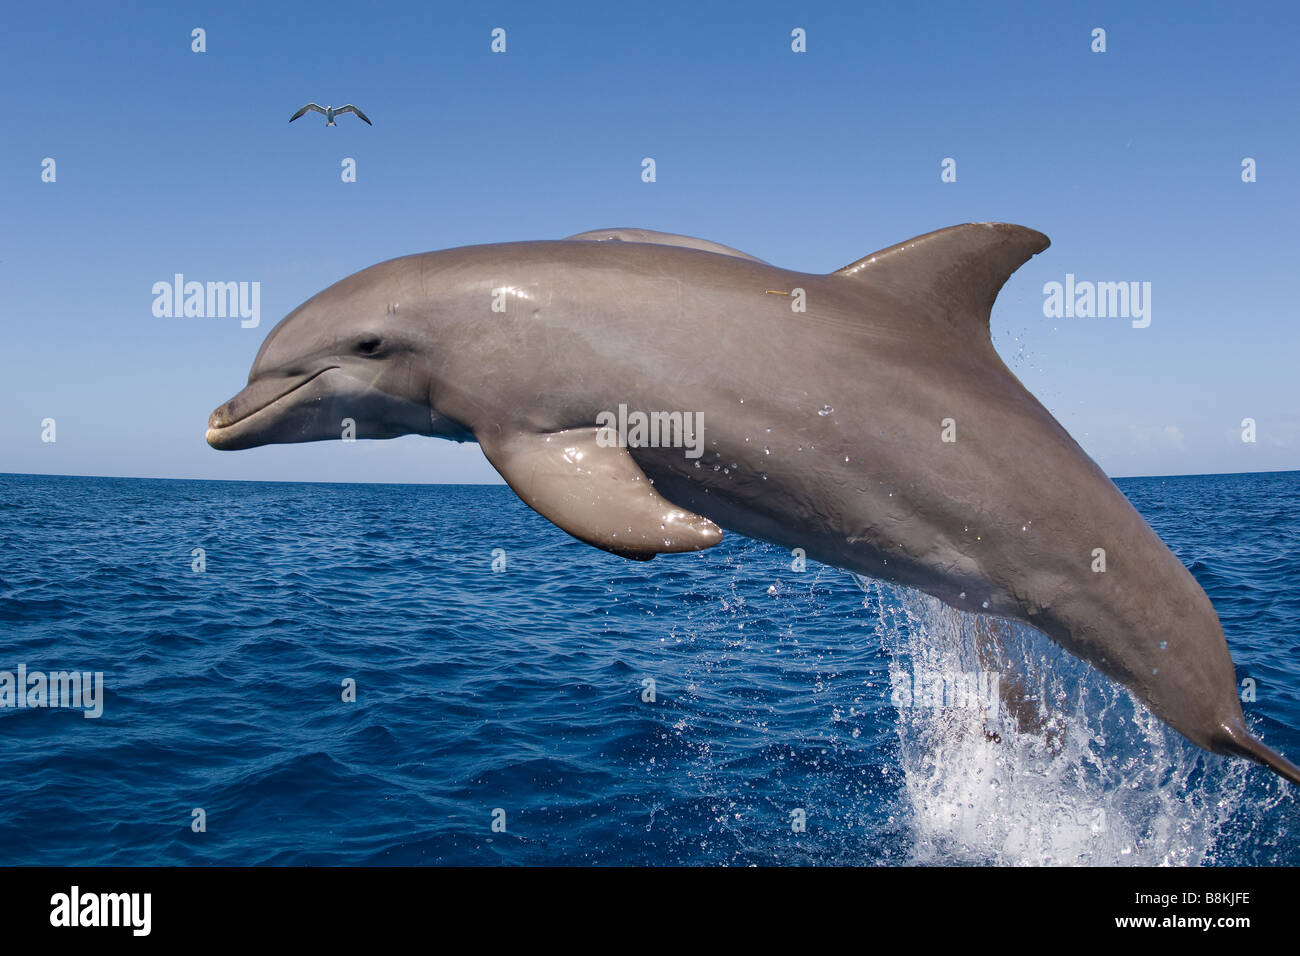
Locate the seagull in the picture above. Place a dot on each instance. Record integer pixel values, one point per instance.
(330, 112)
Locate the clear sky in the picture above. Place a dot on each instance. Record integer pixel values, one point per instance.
(173, 161)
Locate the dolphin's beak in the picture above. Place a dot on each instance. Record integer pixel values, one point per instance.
(234, 425)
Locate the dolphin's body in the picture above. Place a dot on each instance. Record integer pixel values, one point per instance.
(823, 429)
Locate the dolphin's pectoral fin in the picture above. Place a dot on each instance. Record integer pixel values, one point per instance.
(596, 493)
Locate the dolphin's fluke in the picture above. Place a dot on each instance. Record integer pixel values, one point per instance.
(956, 271)
(1238, 741)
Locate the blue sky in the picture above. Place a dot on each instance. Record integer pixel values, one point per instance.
(172, 161)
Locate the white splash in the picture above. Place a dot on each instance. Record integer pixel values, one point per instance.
(1088, 777)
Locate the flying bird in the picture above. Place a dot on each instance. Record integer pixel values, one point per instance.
(330, 112)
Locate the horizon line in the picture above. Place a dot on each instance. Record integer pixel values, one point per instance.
(503, 484)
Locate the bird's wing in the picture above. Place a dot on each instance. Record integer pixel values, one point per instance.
(309, 106)
(352, 109)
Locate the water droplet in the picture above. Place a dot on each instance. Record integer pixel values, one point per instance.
(985, 605)
(766, 450)
(824, 411)
(962, 595)
(1163, 645)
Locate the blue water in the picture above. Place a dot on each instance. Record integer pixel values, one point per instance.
(522, 691)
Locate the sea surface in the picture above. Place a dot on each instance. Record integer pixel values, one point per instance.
(575, 708)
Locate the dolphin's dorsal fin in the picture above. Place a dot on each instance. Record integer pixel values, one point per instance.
(957, 270)
(663, 239)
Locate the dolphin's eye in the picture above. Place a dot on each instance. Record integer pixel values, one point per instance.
(369, 345)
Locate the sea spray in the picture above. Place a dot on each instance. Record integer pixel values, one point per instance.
(1075, 771)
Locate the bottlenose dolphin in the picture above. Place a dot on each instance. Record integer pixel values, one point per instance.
(877, 429)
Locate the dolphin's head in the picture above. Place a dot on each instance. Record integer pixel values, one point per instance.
(359, 353)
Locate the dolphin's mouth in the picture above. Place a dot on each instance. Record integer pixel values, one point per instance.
(225, 422)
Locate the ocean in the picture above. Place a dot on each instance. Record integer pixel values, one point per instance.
(521, 698)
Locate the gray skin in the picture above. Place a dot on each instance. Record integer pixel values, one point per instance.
(822, 429)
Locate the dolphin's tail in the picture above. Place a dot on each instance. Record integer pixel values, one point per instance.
(1237, 740)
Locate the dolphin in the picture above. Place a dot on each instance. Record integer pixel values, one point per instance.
(863, 415)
